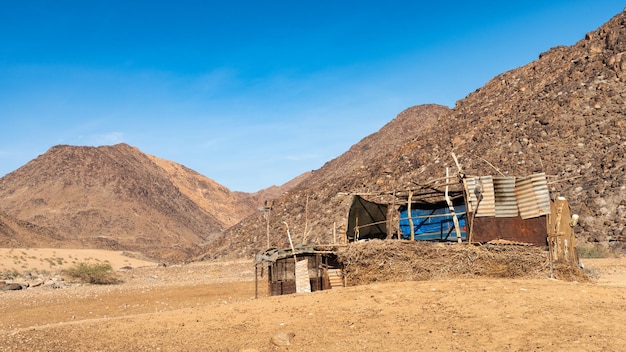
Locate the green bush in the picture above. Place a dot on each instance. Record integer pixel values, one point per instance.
(101, 274)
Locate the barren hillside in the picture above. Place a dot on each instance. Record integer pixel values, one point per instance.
(115, 197)
(18, 233)
(563, 114)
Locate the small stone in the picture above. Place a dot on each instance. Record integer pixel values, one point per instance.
(11, 287)
(282, 338)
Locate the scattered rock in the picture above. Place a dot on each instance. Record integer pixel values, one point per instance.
(37, 283)
(282, 338)
(11, 287)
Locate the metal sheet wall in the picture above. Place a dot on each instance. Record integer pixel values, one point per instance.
(481, 196)
(505, 197)
(533, 196)
(506, 202)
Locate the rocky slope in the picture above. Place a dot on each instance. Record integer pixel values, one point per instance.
(116, 197)
(563, 114)
(16, 233)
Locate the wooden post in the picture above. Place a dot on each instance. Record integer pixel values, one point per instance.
(455, 220)
(458, 166)
(267, 209)
(410, 200)
(306, 220)
(554, 245)
(293, 249)
(256, 281)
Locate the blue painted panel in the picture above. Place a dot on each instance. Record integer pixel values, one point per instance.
(430, 225)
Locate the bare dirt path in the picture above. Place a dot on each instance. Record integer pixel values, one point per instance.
(211, 307)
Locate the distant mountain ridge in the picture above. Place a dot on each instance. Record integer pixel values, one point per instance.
(116, 197)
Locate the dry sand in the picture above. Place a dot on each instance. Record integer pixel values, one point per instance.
(211, 307)
(55, 259)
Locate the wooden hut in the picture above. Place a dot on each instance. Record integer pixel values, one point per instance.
(299, 270)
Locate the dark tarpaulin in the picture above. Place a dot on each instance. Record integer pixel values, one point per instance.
(368, 217)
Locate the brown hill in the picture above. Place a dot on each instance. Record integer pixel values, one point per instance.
(562, 114)
(115, 197)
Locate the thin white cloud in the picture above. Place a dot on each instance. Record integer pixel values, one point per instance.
(107, 138)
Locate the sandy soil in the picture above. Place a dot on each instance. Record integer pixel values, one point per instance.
(52, 260)
(211, 307)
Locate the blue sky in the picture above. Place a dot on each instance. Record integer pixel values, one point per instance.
(253, 93)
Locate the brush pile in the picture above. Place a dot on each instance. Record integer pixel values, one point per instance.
(384, 261)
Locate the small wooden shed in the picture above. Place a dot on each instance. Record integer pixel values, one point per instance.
(303, 269)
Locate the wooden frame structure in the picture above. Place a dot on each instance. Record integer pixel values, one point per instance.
(299, 270)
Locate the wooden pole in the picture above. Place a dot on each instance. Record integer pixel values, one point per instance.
(293, 249)
(495, 168)
(458, 166)
(455, 220)
(267, 208)
(306, 219)
(470, 230)
(409, 202)
(256, 281)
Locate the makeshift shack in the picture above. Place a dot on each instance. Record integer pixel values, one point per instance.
(303, 269)
(472, 209)
(468, 208)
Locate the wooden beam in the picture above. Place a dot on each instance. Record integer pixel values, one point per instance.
(455, 220)
(410, 200)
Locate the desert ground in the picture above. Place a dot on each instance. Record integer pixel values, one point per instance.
(211, 306)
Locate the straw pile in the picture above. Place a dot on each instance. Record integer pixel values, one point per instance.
(393, 260)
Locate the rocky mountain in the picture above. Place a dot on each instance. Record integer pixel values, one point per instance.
(116, 197)
(563, 114)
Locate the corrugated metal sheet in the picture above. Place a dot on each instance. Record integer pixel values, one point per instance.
(533, 198)
(481, 195)
(506, 201)
(540, 185)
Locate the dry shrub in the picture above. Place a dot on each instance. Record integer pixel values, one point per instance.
(393, 260)
(99, 274)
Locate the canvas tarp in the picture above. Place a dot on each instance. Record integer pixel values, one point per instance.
(366, 219)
